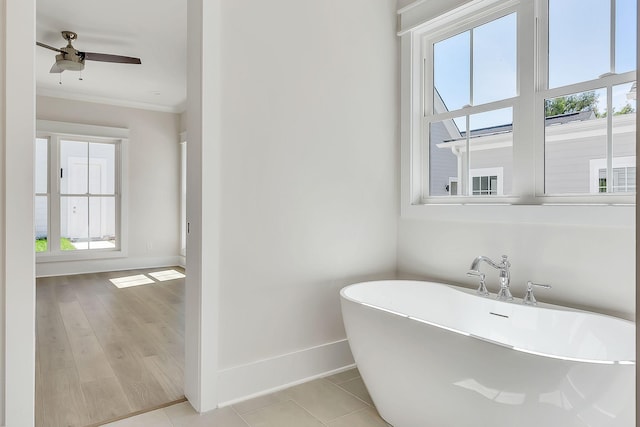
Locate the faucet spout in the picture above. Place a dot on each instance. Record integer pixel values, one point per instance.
(505, 275)
(476, 262)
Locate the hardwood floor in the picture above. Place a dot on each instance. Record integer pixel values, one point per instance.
(104, 352)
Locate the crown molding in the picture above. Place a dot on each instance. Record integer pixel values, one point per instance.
(177, 109)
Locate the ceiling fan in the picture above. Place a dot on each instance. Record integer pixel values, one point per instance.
(69, 58)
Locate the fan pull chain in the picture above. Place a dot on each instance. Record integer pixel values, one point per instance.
(60, 82)
(80, 78)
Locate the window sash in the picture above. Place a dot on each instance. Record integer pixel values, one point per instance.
(430, 116)
(55, 195)
(529, 102)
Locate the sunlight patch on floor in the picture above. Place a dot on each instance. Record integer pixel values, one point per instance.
(128, 281)
(161, 276)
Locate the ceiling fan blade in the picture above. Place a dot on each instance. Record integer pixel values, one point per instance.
(46, 46)
(104, 57)
(55, 69)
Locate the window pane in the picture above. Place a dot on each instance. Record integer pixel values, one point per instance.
(41, 165)
(624, 179)
(626, 35)
(476, 185)
(494, 60)
(575, 142)
(491, 146)
(624, 136)
(445, 167)
(74, 223)
(102, 222)
(41, 223)
(451, 73)
(73, 161)
(579, 40)
(602, 181)
(102, 168)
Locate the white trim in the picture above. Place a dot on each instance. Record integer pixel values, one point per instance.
(435, 15)
(286, 386)
(101, 265)
(82, 130)
(410, 6)
(204, 53)
(177, 109)
(263, 376)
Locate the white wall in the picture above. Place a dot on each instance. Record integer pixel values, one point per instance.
(17, 27)
(2, 204)
(153, 184)
(309, 179)
(589, 267)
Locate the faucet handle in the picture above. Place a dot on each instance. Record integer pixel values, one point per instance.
(472, 273)
(482, 288)
(529, 299)
(505, 261)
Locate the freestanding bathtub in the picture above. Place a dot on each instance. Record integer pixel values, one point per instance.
(433, 355)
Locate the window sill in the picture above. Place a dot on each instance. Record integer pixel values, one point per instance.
(617, 216)
(80, 255)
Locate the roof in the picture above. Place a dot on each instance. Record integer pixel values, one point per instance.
(549, 121)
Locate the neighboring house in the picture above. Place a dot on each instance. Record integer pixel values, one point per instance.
(575, 156)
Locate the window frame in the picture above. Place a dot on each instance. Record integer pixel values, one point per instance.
(55, 132)
(417, 82)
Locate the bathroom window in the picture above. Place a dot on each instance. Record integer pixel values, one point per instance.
(523, 88)
(472, 78)
(589, 96)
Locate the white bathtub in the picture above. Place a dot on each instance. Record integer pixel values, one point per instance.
(433, 355)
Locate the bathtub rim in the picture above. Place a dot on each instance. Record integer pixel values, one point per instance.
(543, 306)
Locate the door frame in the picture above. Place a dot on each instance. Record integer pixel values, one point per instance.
(201, 350)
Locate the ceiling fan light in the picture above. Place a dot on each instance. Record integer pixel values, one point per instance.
(68, 65)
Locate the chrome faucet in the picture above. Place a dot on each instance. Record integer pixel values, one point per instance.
(505, 276)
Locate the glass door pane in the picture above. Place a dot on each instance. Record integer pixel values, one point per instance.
(74, 175)
(74, 223)
(41, 202)
(102, 159)
(102, 222)
(41, 223)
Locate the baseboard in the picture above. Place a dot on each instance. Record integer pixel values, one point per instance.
(269, 375)
(64, 268)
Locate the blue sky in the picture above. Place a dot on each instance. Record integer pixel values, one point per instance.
(579, 50)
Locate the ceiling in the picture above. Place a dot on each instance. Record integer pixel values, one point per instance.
(153, 30)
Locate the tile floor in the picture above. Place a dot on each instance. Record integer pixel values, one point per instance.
(339, 400)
